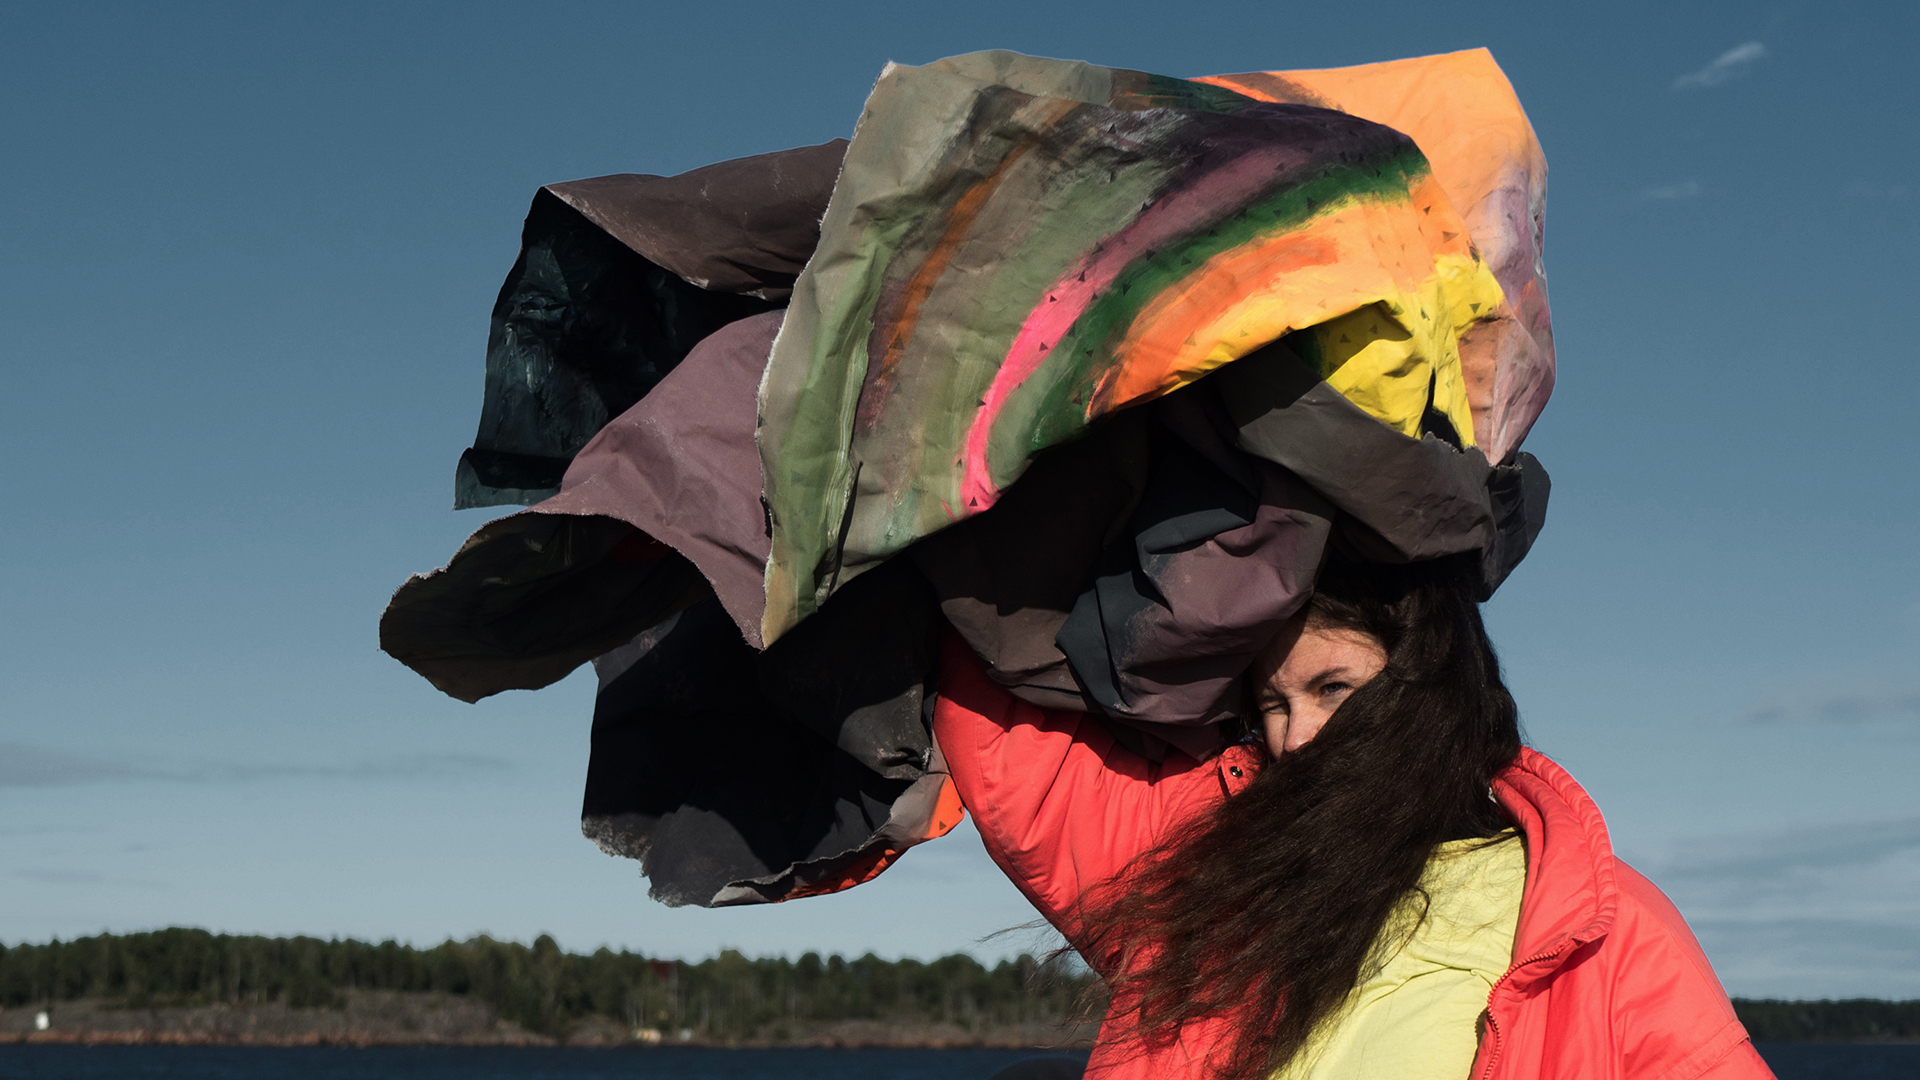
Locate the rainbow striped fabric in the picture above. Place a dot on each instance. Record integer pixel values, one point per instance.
(1017, 247)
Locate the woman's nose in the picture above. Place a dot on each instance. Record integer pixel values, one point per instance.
(1306, 723)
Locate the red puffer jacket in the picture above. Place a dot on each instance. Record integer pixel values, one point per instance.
(1607, 981)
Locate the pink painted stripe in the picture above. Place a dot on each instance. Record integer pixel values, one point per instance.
(1232, 184)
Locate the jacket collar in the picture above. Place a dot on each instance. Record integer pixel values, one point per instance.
(1572, 893)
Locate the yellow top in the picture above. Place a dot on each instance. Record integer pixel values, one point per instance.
(1417, 1017)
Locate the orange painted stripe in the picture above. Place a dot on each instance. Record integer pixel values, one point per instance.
(960, 220)
(1162, 352)
(1308, 275)
(1238, 87)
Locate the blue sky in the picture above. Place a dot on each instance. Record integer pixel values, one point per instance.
(251, 252)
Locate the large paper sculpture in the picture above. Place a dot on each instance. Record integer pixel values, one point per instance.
(1090, 364)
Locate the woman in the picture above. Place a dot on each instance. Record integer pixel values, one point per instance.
(1380, 882)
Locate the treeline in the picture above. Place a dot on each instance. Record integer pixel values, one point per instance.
(540, 987)
(548, 991)
(1855, 1020)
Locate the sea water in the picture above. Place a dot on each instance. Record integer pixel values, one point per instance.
(498, 1063)
(1791, 1061)
(1842, 1061)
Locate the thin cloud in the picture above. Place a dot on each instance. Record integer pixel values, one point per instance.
(60, 877)
(1841, 709)
(1851, 870)
(1813, 957)
(1727, 67)
(1752, 861)
(417, 766)
(1861, 189)
(31, 766)
(1670, 192)
(49, 876)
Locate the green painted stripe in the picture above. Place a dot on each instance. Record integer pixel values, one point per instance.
(1052, 406)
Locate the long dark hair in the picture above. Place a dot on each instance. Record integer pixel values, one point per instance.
(1266, 909)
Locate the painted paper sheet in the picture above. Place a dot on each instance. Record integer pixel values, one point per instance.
(1463, 114)
(999, 267)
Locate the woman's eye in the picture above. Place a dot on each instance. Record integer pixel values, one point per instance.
(1335, 688)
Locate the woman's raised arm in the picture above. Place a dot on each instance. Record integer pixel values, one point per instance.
(1061, 805)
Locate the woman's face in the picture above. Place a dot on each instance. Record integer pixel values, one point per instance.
(1304, 676)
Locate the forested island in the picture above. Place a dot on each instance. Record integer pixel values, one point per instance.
(184, 985)
(490, 991)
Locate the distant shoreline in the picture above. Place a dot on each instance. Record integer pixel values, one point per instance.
(188, 987)
(171, 1039)
(374, 1018)
(391, 1019)
(58, 1038)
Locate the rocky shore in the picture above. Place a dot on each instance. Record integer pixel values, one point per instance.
(389, 1018)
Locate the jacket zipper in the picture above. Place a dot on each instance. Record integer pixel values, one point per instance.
(1493, 1022)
